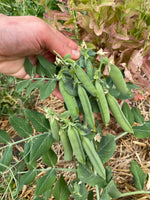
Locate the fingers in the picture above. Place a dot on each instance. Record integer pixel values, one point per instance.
(55, 41)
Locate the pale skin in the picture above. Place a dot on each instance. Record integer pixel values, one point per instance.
(28, 36)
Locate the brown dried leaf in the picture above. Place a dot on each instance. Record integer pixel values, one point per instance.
(136, 61)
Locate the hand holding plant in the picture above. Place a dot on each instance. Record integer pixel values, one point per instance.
(28, 36)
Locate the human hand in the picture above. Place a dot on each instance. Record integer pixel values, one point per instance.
(28, 36)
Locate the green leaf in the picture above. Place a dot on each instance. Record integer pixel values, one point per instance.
(40, 146)
(78, 190)
(61, 191)
(39, 121)
(6, 158)
(40, 70)
(47, 194)
(27, 179)
(87, 176)
(29, 67)
(45, 183)
(109, 174)
(98, 128)
(105, 195)
(128, 113)
(49, 68)
(21, 125)
(94, 104)
(4, 137)
(81, 61)
(112, 190)
(106, 148)
(38, 198)
(47, 89)
(68, 55)
(34, 85)
(26, 155)
(69, 84)
(142, 131)
(138, 175)
(137, 115)
(23, 84)
(50, 158)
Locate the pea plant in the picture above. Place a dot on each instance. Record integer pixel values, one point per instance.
(86, 90)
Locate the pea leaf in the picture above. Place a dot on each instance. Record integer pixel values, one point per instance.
(46, 182)
(61, 191)
(81, 61)
(26, 155)
(23, 84)
(68, 55)
(38, 198)
(138, 175)
(111, 190)
(137, 115)
(34, 85)
(128, 113)
(39, 121)
(29, 67)
(4, 137)
(94, 104)
(49, 68)
(50, 158)
(40, 146)
(47, 89)
(78, 190)
(6, 158)
(142, 131)
(26, 179)
(87, 176)
(40, 70)
(47, 194)
(21, 125)
(69, 84)
(109, 174)
(105, 195)
(106, 148)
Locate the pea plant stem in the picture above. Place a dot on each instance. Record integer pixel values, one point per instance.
(57, 169)
(20, 141)
(97, 192)
(134, 193)
(121, 135)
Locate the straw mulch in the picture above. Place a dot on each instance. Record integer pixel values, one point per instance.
(128, 148)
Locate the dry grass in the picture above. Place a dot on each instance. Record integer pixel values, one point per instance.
(128, 148)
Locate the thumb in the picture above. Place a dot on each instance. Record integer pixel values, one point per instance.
(56, 41)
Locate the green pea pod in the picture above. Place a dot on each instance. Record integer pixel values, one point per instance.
(86, 107)
(93, 157)
(70, 101)
(68, 153)
(76, 144)
(102, 103)
(118, 79)
(89, 69)
(54, 128)
(118, 114)
(85, 80)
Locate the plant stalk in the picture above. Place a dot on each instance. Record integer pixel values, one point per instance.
(20, 141)
(135, 193)
(121, 135)
(97, 192)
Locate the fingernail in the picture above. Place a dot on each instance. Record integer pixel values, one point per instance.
(75, 54)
